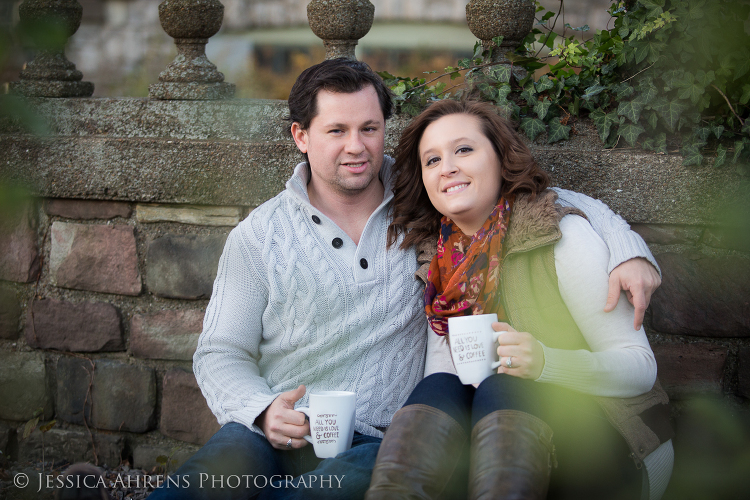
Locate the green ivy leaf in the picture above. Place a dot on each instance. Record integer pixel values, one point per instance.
(670, 112)
(660, 145)
(544, 83)
(738, 147)
(742, 68)
(690, 89)
(631, 109)
(691, 156)
(501, 73)
(631, 131)
(622, 90)
(411, 109)
(542, 107)
(557, 131)
(703, 133)
(721, 155)
(717, 130)
(653, 119)
(604, 122)
(745, 94)
(593, 91)
(532, 127)
(399, 89)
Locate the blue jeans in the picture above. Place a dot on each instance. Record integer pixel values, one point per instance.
(237, 463)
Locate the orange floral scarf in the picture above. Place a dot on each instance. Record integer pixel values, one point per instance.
(464, 274)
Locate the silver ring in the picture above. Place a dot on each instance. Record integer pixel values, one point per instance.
(509, 362)
(289, 443)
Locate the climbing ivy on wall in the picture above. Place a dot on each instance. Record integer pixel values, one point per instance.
(668, 76)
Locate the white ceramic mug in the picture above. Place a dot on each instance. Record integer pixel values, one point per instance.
(473, 348)
(331, 415)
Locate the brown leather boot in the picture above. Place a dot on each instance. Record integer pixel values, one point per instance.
(418, 455)
(511, 457)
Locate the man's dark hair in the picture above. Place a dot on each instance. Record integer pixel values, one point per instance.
(334, 75)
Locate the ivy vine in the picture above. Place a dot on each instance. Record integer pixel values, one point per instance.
(668, 76)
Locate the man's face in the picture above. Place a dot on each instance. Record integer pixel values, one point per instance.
(344, 143)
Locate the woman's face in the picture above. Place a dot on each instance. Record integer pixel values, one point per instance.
(460, 170)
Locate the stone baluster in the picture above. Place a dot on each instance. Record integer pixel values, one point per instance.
(340, 24)
(511, 19)
(191, 76)
(49, 24)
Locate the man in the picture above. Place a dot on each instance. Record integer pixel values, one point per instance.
(308, 298)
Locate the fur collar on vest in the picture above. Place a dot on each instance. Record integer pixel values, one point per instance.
(533, 223)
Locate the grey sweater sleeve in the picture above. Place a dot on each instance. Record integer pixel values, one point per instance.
(226, 360)
(623, 243)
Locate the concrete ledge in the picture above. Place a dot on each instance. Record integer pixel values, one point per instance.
(236, 152)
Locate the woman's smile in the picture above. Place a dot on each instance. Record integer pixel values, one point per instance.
(460, 170)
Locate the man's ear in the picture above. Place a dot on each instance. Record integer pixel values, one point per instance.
(300, 137)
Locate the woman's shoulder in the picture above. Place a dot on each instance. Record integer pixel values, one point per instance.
(580, 250)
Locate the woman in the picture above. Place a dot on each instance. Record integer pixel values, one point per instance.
(568, 369)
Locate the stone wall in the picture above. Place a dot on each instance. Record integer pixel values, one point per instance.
(104, 277)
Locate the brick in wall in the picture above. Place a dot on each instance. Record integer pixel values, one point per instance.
(668, 234)
(184, 412)
(19, 252)
(744, 372)
(10, 312)
(123, 395)
(24, 386)
(98, 258)
(686, 370)
(88, 209)
(67, 326)
(707, 296)
(166, 334)
(71, 445)
(733, 238)
(183, 266)
(73, 401)
(189, 214)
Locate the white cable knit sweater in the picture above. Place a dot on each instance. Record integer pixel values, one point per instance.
(297, 302)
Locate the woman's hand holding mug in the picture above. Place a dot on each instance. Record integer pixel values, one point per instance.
(521, 355)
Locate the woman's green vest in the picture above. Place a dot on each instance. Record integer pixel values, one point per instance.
(532, 302)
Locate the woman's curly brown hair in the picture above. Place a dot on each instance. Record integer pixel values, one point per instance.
(413, 213)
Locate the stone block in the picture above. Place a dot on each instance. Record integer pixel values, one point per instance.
(67, 326)
(189, 214)
(24, 386)
(98, 258)
(71, 445)
(166, 334)
(19, 251)
(184, 412)
(732, 237)
(10, 311)
(686, 370)
(183, 266)
(706, 297)
(88, 209)
(6, 433)
(122, 397)
(149, 457)
(744, 372)
(667, 234)
(74, 380)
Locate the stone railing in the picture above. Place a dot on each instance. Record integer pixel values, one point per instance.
(107, 271)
